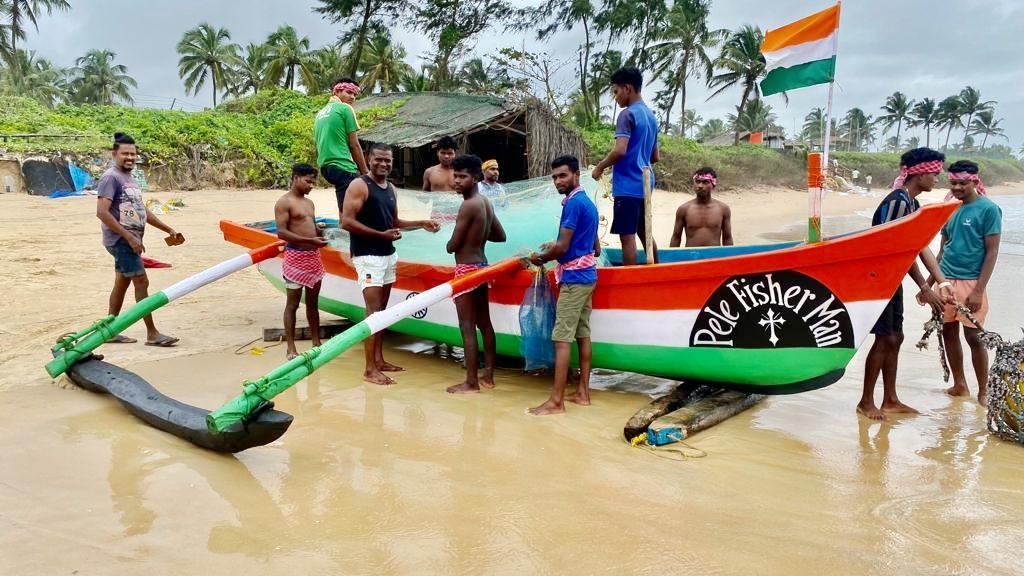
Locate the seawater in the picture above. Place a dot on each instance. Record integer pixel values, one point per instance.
(1012, 240)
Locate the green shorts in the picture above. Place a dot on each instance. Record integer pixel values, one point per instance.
(572, 315)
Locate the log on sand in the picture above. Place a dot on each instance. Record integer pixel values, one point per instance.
(697, 415)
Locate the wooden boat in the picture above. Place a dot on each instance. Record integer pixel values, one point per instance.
(770, 319)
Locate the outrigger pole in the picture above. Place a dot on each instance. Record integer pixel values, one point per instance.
(256, 394)
(74, 347)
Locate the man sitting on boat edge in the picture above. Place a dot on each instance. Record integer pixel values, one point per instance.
(706, 221)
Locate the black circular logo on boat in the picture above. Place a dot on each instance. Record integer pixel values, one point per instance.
(781, 309)
(419, 314)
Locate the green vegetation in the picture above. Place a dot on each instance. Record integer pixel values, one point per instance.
(256, 138)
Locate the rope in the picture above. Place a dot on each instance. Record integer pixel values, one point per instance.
(256, 350)
(935, 325)
(640, 441)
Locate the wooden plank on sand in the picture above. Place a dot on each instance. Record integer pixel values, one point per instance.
(328, 329)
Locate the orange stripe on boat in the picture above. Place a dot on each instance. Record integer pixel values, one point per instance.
(814, 27)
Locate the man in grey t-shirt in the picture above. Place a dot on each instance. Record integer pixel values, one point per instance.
(123, 217)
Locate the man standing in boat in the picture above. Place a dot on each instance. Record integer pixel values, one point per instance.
(370, 214)
(475, 226)
(295, 216)
(970, 246)
(440, 177)
(635, 150)
(336, 132)
(576, 250)
(705, 221)
(123, 217)
(919, 169)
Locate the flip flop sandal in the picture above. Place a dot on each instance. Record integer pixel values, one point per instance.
(163, 342)
(121, 339)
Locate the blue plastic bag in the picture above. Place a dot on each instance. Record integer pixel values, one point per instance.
(536, 321)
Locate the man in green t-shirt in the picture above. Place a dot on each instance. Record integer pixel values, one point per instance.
(336, 132)
(970, 246)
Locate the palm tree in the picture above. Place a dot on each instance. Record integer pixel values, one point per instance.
(206, 52)
(949, 116)
(912, 142)
(690, 119)
(250, 69)
(604, 65)
(290, 57)
(814, 125)
(897, 111)
(367, 13)
(329, 65)
(741, 64)
(711, 129)
(475, 78)
(971, 104)
(682, 49)
(35, 78)
(565, 15)
(926, 114)
(22, 12)
(858, 128)
(384, 64)
(413, 82)
(756, 116)
(986, 124)
(97, 80)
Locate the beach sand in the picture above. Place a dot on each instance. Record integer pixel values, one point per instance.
(408, 480)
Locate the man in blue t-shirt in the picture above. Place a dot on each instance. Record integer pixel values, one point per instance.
(918, 170)
(970, 246)
(635, 150)
(576, 250)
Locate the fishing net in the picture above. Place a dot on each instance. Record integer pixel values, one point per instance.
(529, 212)
(536, 321)
(1005, 380)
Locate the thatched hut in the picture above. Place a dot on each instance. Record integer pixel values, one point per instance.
(523, 137)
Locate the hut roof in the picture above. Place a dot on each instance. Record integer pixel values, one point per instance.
(426, 116)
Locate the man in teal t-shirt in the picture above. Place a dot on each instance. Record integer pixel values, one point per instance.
(970, 246)
(336, 132)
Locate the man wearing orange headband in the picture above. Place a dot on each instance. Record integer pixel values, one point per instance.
(336, 132)
(970, 246)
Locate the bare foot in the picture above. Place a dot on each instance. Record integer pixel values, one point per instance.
(898, 408)
(376, 377)
(464, 388)
(870, 412)
(487, 380)
(983, 399)
(291, 354)
(548, 407)
(581, 399)
(317, 343)
(958, 390)
(389, 367)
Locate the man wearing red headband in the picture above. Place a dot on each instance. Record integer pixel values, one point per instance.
(336, 132)
(706, 222)
(970, 246)
(918, 170)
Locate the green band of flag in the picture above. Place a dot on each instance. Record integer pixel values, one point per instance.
(809, 74)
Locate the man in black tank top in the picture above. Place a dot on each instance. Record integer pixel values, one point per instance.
(370, 214)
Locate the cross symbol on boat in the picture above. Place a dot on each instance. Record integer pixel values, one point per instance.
(770, 320)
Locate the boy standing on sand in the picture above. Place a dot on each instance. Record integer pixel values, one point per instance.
(970, 246)
(918, 171)
(635, 150)
(706, 222)
(296, 224)
(123, 217)
(576, 250)
(475, 225)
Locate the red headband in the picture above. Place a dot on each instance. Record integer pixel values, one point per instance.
(346, 86)
(932, 166)
(967, 176)
(705, 176)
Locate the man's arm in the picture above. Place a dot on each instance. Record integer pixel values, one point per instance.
(426, 179)
(617, 153)
(282, 216)
(463, 222)
(987, 267)
(103, 213)
(556, 250)
(159, 224)
(677, 232)
(927, 295)
(597, 245)
(655, 153)
(357, 152)
(497, 230)
(726, 226)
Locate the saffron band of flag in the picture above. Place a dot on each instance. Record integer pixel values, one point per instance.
(802, 53)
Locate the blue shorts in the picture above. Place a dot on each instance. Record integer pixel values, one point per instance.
(627, 215)
(891, 320)
(126, 261)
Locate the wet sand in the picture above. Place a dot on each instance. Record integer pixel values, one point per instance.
(410, 480)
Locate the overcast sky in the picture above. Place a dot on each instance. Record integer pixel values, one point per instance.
(925, 48)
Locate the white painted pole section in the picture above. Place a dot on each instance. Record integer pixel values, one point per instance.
(196, 281)
(381, 320)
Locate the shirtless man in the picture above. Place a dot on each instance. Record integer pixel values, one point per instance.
(475, 226)
(296, 225)
(370, 215)
(707, 222)
(440, 177)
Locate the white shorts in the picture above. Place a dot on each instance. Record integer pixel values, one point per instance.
(375, 270)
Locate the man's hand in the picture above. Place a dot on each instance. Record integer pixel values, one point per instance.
(927, 296)
(946, 292)
(136, 244)
(597, 173)
(973, 302)
(431, 225)
(392, 234)
(174, 238)
(536, 259)
(318, 242)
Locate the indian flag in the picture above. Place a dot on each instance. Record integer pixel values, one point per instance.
(802, 53)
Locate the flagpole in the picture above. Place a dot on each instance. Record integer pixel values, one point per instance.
(817, 194)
